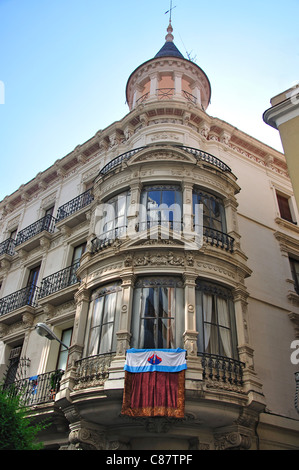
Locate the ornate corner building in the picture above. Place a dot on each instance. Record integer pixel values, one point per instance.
(227, 295)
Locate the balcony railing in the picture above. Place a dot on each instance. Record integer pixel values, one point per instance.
(222, 369)
(206, 157)
(46, 223)
(59, 280)
(218, 239)
(18, 299)
(118, 160)
(93, 370)
(74, 205)
(7, 247)
(36, 389)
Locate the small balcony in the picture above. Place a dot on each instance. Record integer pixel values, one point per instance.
(222, 369)
(167, 94)
(72, 213)
(218, 239)
(30, 237)
(26, 297)
(37, 389)
(7, 247)
(92, 371)
(58, 284)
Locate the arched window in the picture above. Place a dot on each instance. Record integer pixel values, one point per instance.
(215, 320)
(158, 313)
(104, 313)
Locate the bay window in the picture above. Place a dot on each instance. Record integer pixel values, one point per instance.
(162, 205)
(158, 313)
(104, 311)
(215, 320)
(213, 210)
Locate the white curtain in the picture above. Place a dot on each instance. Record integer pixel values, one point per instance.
(207, 311)
(224, 326)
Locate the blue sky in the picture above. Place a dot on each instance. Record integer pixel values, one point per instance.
(65, 63)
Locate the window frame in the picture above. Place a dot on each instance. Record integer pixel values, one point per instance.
(216, 325)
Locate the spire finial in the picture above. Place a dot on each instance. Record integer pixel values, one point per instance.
(169, 35)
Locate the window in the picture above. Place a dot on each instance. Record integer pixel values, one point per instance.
(215, 320)
(295, 273)
(104, 315)
(13, 234)
(114, 223)
(31, 285)
(78, 252)
(158, 313)
(63, 352)
(284, 207)
(163, 206)
(213, 210)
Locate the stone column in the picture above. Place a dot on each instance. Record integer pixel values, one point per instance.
(178, 83)
(133, 210)
(190, 334)
(154, 85)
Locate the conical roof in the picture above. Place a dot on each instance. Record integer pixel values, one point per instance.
(169, 49)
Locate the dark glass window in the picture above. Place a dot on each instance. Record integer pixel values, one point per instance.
(213, 210)
(294, 263)
(284, 207)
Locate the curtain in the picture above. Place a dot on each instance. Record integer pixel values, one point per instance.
(207, 311)
(224, 326)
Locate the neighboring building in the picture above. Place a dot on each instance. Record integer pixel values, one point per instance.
(284, 116)
(233, 303)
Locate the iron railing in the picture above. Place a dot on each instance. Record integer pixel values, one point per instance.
(165, 93)
(26, 296)
(108, 238)
(93, 370)
(118, 160)
(59, 280)
(36, 389)
(206, 157)
(46, 223)
(7, 247)
(222, 369)
(74, 205)
(200, 155)
(218, 238)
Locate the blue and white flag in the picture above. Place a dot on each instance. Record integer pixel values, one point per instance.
(160, 360)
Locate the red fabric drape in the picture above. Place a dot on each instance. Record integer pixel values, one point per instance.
(154, 394)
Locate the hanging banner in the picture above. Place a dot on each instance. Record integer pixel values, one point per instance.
(155, 382)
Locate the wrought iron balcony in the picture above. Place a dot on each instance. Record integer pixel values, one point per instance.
(118, 160)
(59, 280)
(206, 157)
(222, 369)
(46, 223)
(218, 239)
(74, 205)
(93, 370)
(7, 247)
(36, 389)
(106, 239)
(27, 296)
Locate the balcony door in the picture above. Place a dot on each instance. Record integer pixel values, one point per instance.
(31, 284)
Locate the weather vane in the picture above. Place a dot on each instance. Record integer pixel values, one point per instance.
(170, 10)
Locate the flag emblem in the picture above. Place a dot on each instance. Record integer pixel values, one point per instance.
(154, 359)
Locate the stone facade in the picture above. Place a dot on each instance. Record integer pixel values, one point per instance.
(240, 390)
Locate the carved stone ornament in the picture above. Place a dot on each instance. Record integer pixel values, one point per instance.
(233, 440)
(87, 439)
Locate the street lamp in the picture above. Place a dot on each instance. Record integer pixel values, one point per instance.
(44, 330)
